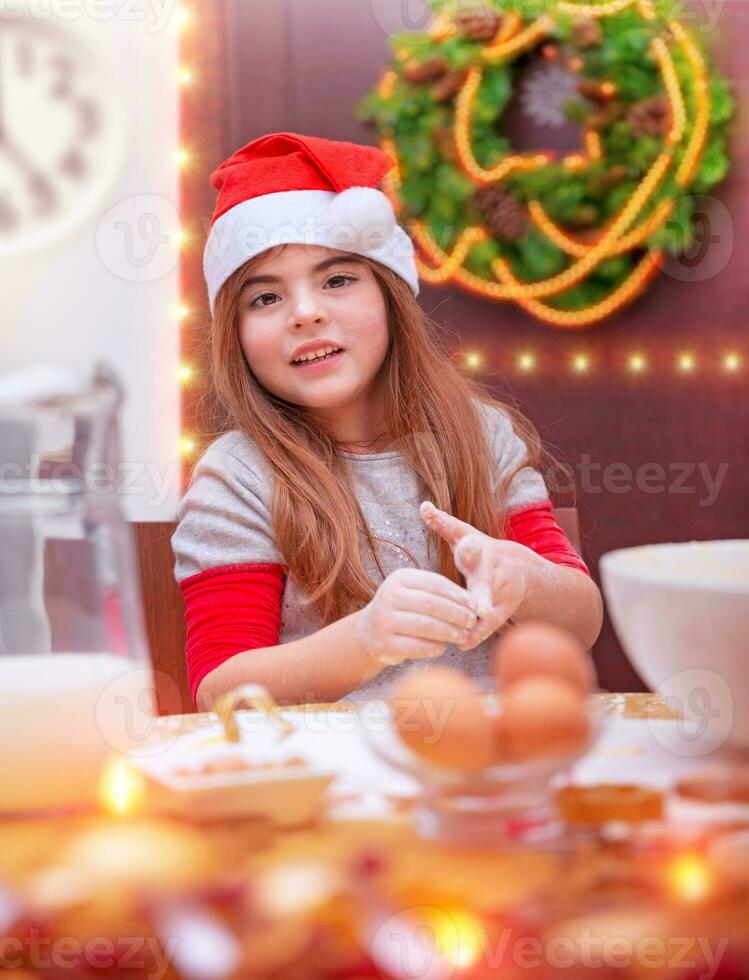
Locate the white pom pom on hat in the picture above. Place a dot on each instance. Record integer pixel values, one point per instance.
(288, 188)
(361, 219)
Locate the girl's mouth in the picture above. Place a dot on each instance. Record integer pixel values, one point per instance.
(319, 363)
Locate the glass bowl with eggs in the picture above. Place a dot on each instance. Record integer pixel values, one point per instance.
(487, 762)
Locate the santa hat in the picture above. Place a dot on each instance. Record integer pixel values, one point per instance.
(290, 189)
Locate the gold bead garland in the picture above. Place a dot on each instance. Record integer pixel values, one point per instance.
(462, 128)
(622, 235)
(520, 42)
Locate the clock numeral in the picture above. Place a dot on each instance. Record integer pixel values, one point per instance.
(44, 194)
(62, 67)
(8, 216)
(89, 114)
(24, 58)
(73, 165)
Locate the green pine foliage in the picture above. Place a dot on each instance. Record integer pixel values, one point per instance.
(436, 190)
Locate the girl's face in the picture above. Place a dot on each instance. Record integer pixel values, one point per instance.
(305, 301)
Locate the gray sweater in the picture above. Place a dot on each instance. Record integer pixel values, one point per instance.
(225, 519)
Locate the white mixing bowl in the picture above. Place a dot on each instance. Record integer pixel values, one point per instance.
(681, 612)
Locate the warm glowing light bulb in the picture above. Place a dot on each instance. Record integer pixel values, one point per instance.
(457, 936)
(687, 363)
(180, 237)
(637, 363)
(183, 158)
(187, 446)
(184, 76)
(473, 360)
(186, 373)
(690, 877)
(121, 787)
(526, 362)
(731, 362)
(581, 363)
(181, 311)
(183, 17)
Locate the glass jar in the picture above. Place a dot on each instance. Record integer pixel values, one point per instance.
(510, 805)
(75, 677)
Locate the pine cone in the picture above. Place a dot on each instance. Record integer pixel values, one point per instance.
(478, 23)
(609, 178)
(448, 86)
(605, 116)
(586, 216)
(427, 71)
(506, 218)
(587, 33)
(596, 91)
(650, 117)
(445, 140)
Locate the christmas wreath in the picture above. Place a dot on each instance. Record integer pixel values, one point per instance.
(571, 238)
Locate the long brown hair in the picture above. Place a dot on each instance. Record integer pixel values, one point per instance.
(430, 416)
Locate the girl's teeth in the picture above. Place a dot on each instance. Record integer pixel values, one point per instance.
(315, 357)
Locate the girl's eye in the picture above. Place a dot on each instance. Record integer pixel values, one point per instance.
(342, 280)
(256, 302)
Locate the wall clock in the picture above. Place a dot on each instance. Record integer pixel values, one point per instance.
(62, 129)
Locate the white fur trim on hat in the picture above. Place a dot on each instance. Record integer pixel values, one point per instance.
(359, 220)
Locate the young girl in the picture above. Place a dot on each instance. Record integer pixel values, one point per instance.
(372, 510)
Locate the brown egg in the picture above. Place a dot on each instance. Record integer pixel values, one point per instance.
(439, 714)
(539, 648)
(502, 750)
(544, 716)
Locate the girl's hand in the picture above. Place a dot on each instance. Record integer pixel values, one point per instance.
(414, 615)
(496, 572)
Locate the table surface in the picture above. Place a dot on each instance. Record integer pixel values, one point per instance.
(45, 859)
(35, 858)
(28, 845)
(34, 853)
(621, 705)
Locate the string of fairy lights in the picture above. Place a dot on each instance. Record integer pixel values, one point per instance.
(582, 363)
(618, 238)
(186, 80)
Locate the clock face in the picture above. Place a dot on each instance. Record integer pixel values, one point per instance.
(61, 137)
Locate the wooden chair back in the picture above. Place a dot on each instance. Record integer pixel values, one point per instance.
(164, 613)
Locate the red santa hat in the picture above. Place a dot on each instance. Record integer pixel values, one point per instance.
(290, 189)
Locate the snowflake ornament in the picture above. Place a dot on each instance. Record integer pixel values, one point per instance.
(545, 93)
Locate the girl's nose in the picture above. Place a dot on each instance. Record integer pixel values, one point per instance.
(307, 310)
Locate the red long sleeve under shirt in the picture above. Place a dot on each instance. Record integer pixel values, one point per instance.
(238, 607)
